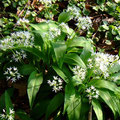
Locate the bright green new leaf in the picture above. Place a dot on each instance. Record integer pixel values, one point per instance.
(79, 42)
(64, 17)
(97, 108)
(34, 82)
(74, 59)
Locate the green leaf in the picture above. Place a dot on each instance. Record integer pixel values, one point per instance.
(104, 84)
(100, 2)
(79, 42)
(27, 69)
(60, 73)
(110, 99)
(41, 107)
(8, 102)
(59, 50)
(74, 59)
(54, 104)
(97, 108)
(85, 55)
(64, 17)
(34, 82)
(22, 115)
(72, 103)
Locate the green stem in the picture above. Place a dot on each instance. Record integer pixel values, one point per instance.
(90, 111)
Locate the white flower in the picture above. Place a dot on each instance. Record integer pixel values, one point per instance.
(79, 73)
(92, 92)
(9, 116)
(22, 21)
(18, 55)
(24, 38)
(12, 74)
(56, 83)
(74, 11)
(84, 23)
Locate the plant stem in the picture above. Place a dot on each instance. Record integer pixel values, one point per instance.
(90, 111)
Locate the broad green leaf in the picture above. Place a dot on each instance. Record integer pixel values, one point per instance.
(27, 69)
(22, 115)
(85, 55)
(72, 103)
(104, 84)
(60, 73)
(97, 108)
(34, 82)
(74, 59)
(44, 26)
(59, 50)
(79, 42)
(54, 104)
(8, 102)
(110, 99)
(64, 17)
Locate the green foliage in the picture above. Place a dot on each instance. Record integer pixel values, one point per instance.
(64, 76)
(34, 82)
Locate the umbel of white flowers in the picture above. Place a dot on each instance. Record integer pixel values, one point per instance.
(47, 2)
(22, 21)
(12, 74)
(9, 116)
(92, 92)
(19, 55)
(23, 38)
(56, 84)
(102, 63)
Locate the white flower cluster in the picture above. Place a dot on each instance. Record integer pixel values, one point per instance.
(92, 92)
(56, 83)
(47, 2)
(74, 11)
(79, 74)
(22, 21)
(18, 55)
(102, 63)
(24, 38)
(12, 74)
(9, 116)
(65, 26)
(84, 23)
(52, 33)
